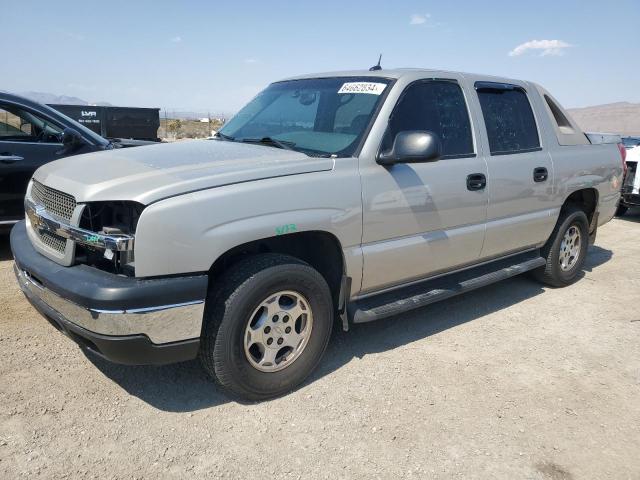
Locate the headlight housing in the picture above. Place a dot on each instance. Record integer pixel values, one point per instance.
(116, 219)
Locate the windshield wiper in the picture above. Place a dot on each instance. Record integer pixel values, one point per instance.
(225, 137)
(271, 141)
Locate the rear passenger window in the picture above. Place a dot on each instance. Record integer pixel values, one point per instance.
(511, 126)
(439, 107)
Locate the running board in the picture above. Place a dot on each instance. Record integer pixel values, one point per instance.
(424, 293)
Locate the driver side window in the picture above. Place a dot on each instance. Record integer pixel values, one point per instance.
(437, 106)
(19, 125)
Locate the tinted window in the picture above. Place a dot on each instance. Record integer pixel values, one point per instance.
(439, 107)
(511, 126)
(18, 125)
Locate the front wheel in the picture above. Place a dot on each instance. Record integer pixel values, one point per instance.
(566, 249)
(267, 323)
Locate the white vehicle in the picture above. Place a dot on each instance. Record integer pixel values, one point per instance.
(631, 183)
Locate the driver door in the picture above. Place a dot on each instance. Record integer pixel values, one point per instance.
(422, 219)
(27, 141)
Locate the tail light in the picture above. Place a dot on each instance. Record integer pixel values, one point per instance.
(623, 154)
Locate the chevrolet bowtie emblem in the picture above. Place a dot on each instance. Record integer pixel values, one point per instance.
(34, 216)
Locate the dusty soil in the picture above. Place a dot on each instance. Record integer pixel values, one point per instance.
(512, 381)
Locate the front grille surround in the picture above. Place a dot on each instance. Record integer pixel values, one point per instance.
(57, 203)
(61, 207)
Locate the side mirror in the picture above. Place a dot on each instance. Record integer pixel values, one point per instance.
(412, 147)
(71, 140)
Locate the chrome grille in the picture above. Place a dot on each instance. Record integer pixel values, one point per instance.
(52, 241)
(55, 202)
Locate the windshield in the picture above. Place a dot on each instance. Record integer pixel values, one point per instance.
(631, 142)
(326, 116)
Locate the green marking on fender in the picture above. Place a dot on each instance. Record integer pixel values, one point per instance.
(290, 228)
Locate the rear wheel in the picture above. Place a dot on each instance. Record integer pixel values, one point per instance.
(267, 324)
(566, 249)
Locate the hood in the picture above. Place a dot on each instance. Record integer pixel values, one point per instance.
(150, 173)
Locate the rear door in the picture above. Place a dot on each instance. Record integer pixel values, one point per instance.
(520, 189)
(424, 218)
(27, 141)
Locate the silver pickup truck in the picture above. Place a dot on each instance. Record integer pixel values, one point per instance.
(341, 197)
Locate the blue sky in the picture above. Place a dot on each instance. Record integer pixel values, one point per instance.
(217, 55)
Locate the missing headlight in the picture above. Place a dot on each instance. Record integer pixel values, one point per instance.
(109, 218)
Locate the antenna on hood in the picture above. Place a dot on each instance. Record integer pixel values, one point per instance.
(377, 67)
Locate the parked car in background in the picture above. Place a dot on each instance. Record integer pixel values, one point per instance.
(630, 142)
(357, 195)
(631, 183)
(32, 134)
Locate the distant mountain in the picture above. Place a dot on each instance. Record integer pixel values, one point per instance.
(42, 97)
(620, 117)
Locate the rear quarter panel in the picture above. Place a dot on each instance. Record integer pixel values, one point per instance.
(589, 166)
(576, 167)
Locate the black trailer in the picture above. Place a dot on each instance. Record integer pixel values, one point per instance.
(116, 122)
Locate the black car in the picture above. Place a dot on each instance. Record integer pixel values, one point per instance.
(32, 134)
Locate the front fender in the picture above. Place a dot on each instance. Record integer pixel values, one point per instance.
(186, 234)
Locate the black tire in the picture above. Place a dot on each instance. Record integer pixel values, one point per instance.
(232, 300)
(551, 273)
(621, 210)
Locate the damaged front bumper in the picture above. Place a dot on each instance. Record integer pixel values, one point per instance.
(126, 320)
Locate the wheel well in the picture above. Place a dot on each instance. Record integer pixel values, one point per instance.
(586, 199)
(321, 250)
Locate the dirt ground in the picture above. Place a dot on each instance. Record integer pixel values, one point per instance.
(513, 381)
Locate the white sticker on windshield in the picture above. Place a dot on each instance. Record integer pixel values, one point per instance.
(362, 87)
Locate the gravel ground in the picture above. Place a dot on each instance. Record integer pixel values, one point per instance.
(511, 381)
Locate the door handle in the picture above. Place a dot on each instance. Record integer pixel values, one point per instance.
(476, 181)
(7, 158)
(540, 174)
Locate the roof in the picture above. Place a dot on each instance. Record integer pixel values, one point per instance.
(396, 73)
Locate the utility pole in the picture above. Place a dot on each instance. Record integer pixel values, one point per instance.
(166, 135)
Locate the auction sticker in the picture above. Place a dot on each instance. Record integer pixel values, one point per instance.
(363, 87)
